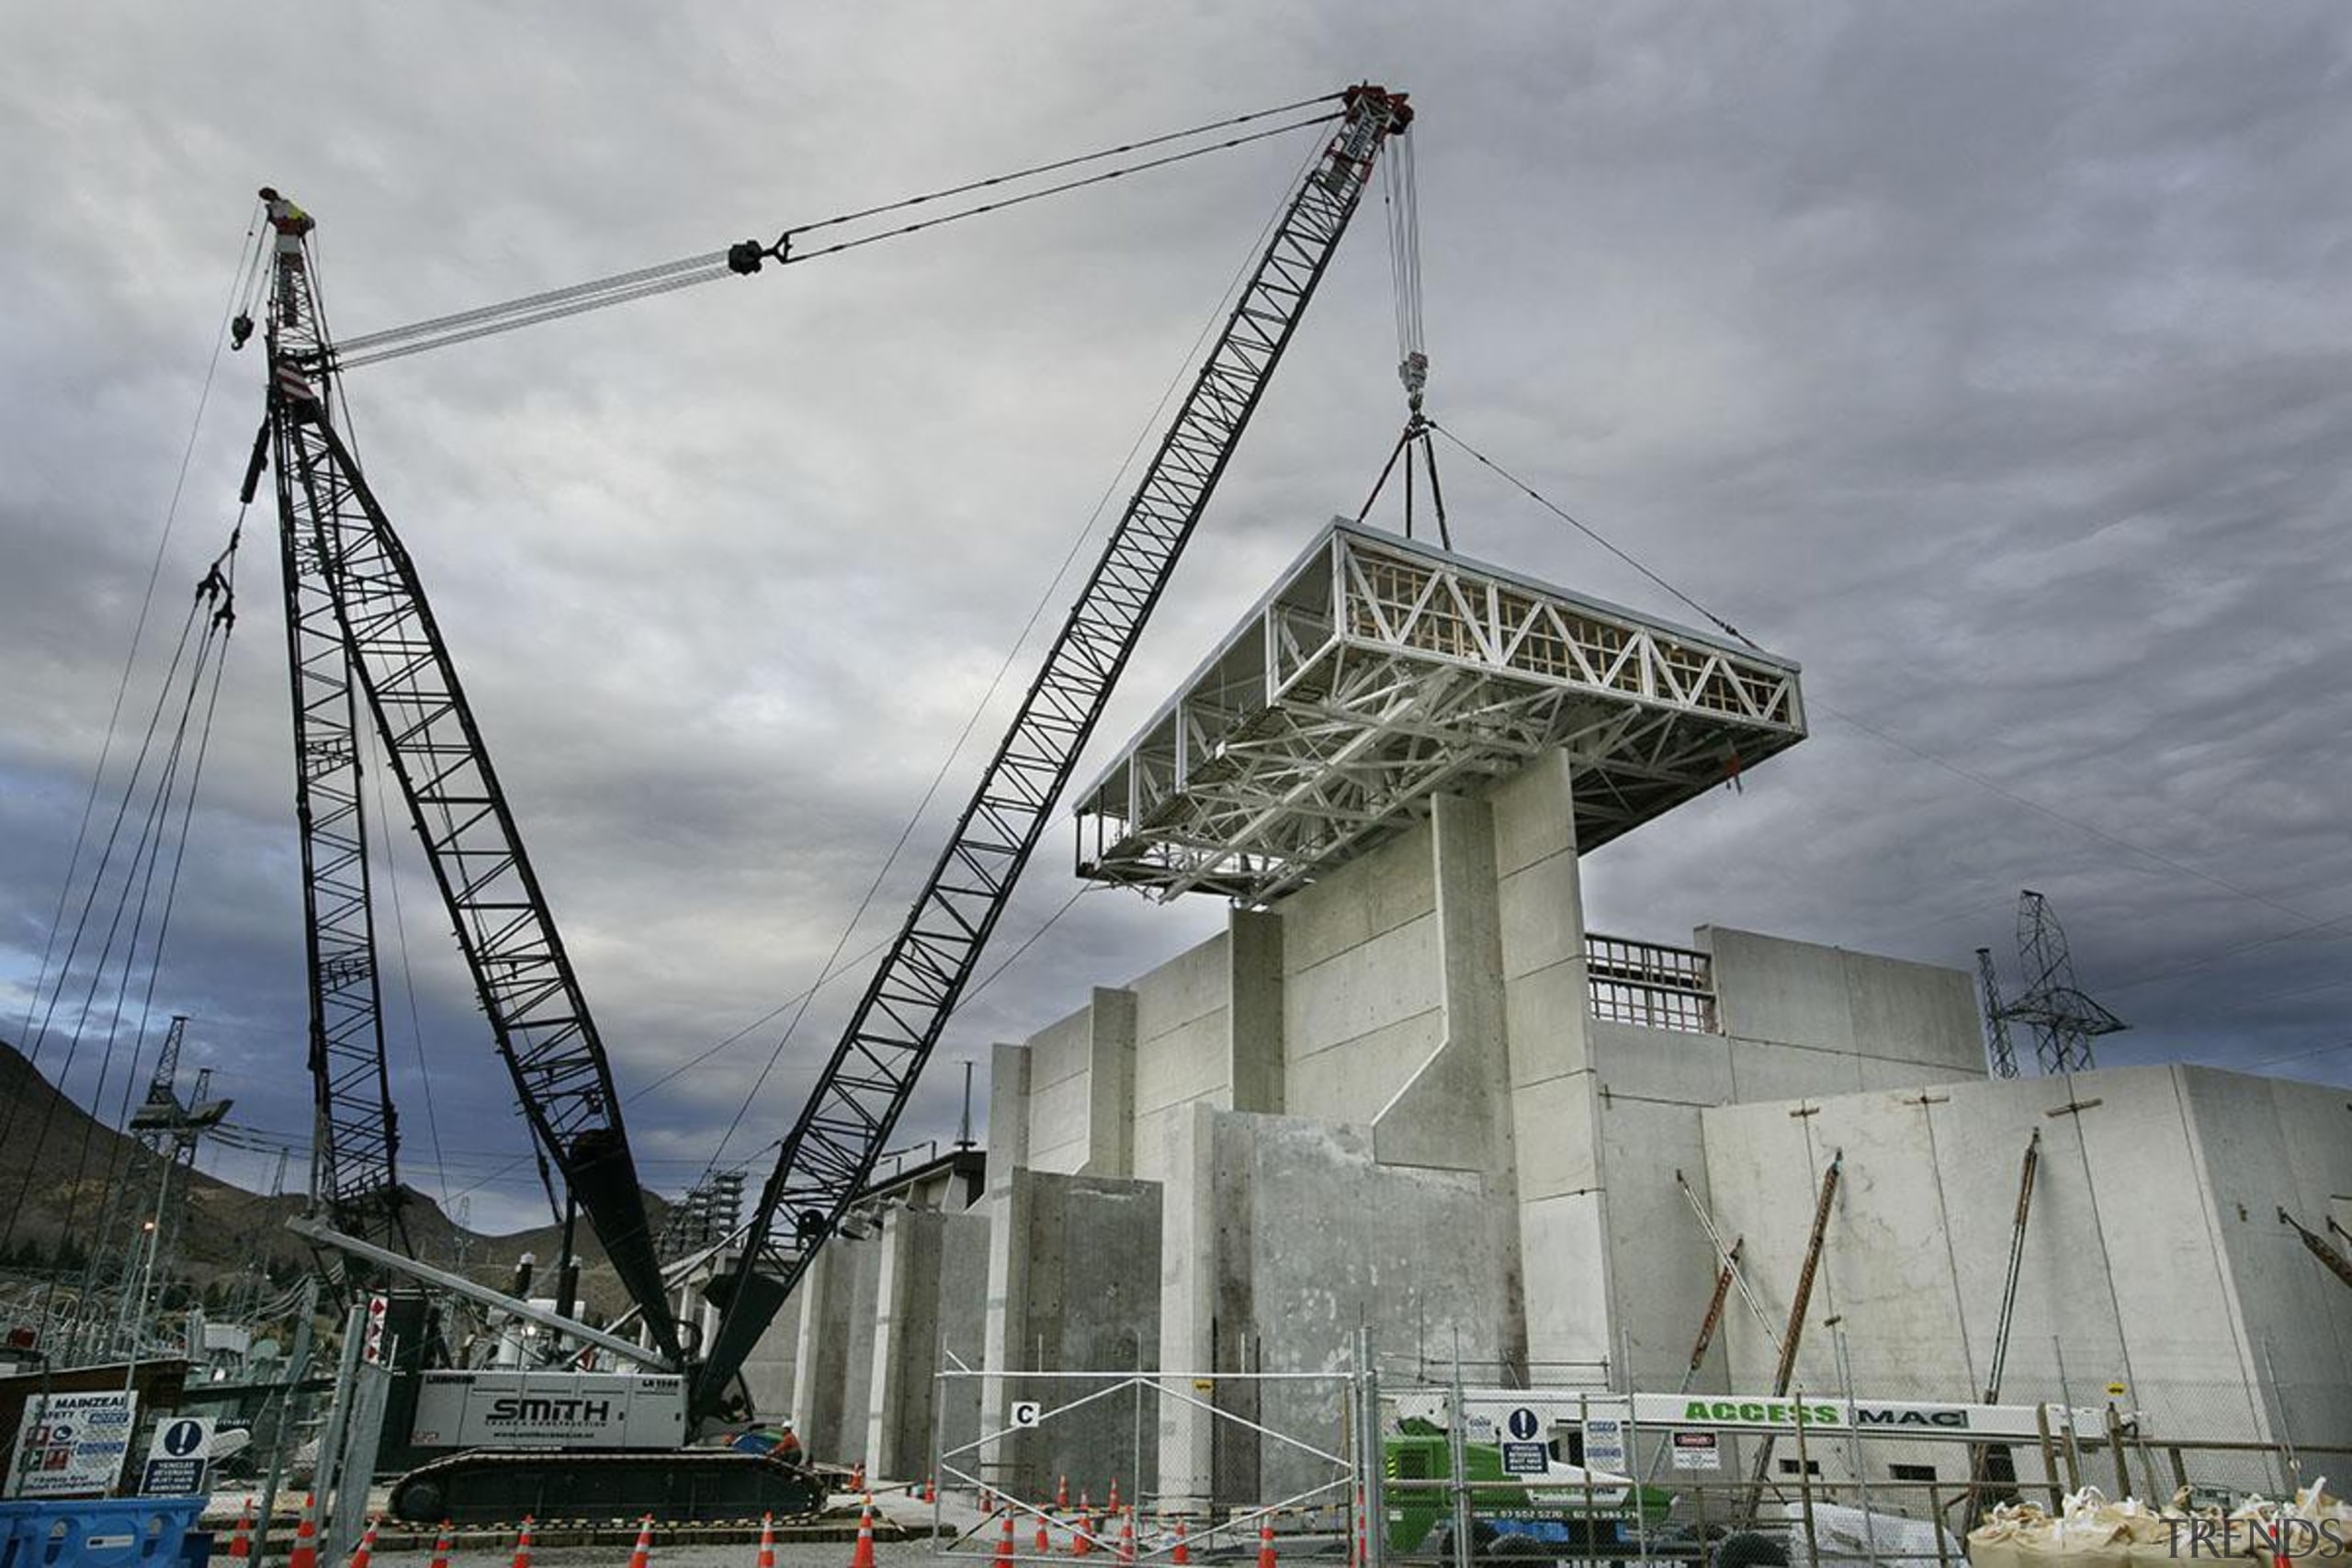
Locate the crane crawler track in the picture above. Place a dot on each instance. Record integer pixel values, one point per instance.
(493, 1486)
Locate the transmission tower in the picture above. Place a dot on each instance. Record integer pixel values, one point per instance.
(1997, 1026)
(705, 1216)
(169, 1130)
(2064, 1021)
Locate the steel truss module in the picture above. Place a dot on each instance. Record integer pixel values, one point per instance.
(1380, 670)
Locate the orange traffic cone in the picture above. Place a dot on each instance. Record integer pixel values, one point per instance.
(240, 1544)
(857, 1477)
(1265, 1543)
(366, 1549)
(767, 1541)
(1182, 1556)
(1113, 1504)
(988, 1503)
(523, 1544)
(1061, 1494)
(863, 1556)
(1081, 1541)
(642, 1554)
(441, 1547)
(1126, 1535)
(1045, 1538)
(306, 1536)
(1004, 1544)
(931, 1489)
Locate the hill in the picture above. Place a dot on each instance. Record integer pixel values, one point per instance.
(58, 1166)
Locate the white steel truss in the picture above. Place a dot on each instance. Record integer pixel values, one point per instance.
(1380, 672)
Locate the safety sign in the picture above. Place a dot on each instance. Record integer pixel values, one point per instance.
(72, 1444)
(1698, 1451)
(178, 1458)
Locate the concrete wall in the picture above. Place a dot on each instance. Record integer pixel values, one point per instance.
(2267, 1145)
(1072, 1284)
(1184, 1015)
(1362, 1004)
(2153, 1256)
(1884, 1023)
(1434, 991)
(1283, 1234)
(930, 1294)
(834, 1370)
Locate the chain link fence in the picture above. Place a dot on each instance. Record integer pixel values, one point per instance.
(1138, 1462)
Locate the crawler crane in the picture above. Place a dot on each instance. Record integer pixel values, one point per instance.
(362, 637)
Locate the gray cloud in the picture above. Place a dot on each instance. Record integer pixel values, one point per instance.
(1990, 361)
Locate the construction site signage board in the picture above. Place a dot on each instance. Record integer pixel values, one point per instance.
(542, 1409)
(73, 1444)
(1604, 1442)
(178, 1458)
(1867, 1417)
(1486, 1411)
(1698, 1451)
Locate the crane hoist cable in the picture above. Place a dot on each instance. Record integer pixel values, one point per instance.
(749, 256)
(1401, 198)
(138, 632)
(1594, 535)
(164, 803)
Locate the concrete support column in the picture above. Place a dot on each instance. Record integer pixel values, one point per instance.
(1189, 1263)
(1008, 1108)
(1006, 1334)
(816, 1360)
(1456, 1112)
(1254, 1010)
(1453, 1114)
(906, 1344)
(1562, 1218)
(1111, 1084)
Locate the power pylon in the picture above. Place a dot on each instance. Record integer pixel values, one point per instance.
(2064, 1019)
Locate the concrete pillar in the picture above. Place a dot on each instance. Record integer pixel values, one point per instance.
(1454, 1113)
(1010, 1217)
(1008, 1108)
(1189, 1265)
(1111, 1084)
(769, 1370)
(817, 1358)
(963, 1334)
(906, 1345)
(1562, 1221)
(1254, 1010)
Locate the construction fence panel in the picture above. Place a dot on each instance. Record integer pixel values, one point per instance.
(1587, 1475)
(1081, 1462)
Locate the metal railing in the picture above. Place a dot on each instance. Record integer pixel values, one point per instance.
(1650, 984)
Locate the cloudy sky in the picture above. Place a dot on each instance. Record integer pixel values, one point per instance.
(1992, 361)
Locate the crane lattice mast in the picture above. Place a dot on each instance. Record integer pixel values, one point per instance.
(359, 622)
(830, 1152)
(355, 1171)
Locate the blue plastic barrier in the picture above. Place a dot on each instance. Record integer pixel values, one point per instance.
(96, 1532)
